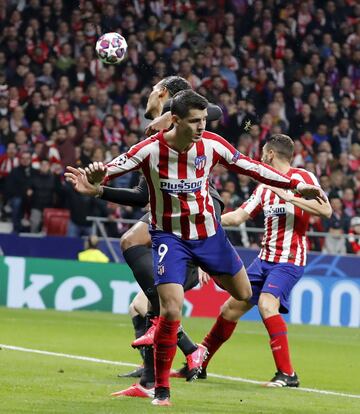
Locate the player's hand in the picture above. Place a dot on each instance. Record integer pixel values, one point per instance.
(283, 194)
(159, 123)
(204, 278)
(77, 177)
(96, 172)
(311, 192)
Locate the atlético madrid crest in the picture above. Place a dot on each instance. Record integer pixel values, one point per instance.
(200, 162)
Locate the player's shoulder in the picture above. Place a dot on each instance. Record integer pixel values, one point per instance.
(303, 175)
(211, 136)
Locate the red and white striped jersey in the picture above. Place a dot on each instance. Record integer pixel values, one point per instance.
(285, 224)
(179, 182)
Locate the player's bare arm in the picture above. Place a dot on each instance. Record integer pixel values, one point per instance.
(311, 192)
(316, 207)
(235, 218)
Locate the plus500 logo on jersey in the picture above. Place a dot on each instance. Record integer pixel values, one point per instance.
(274, 211)
(180, 186)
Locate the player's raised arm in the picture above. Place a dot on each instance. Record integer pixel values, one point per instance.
(317, 207)
(129, 161)
(235, 161)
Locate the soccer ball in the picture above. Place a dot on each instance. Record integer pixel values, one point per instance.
(111, 48)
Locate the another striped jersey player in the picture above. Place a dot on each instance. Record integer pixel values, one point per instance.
(285, 224)
(179, 181)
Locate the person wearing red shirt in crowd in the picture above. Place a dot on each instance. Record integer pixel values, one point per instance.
(354, 234)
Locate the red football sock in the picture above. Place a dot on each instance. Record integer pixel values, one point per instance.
(220, 332)
(165, 342)
(277, 330)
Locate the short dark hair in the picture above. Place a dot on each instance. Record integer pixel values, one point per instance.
(175, 84)
(282, 144)
(183, 101)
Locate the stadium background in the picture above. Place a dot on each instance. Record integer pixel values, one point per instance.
(286, 66)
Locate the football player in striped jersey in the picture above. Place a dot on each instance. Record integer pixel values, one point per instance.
(281, 260)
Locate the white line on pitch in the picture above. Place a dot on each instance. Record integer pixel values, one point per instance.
(127, 364)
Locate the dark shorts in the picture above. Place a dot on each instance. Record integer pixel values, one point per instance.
(275, 278)
(172, 256)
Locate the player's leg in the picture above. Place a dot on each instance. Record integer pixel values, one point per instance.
(137, 311)
(274, 299)
(170, 262)
(237, 285)
(217, 256)
(135, 245)
(195, 353)
(224, 326)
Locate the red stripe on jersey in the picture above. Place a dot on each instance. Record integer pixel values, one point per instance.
(184, 206)
(200, 218)
(280, 235)
(164, 173)
(152, 197)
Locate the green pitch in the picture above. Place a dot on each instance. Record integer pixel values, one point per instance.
(325, 359)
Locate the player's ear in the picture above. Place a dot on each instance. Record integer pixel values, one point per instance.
(163, 92)
(175, 119)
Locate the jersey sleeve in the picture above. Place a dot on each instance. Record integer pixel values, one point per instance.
(232, 159)
(253, 205)
(129, 161)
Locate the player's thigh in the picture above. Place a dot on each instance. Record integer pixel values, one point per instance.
(237, 285)
(137, 235)
(233, 310)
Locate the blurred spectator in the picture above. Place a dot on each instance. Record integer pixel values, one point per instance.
(17, 191)
(92, 253)
(354, 233)
(42, 191)
(334, 243)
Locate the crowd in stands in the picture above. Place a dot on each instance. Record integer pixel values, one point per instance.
(286, 66)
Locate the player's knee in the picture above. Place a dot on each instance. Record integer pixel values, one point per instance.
(267, 308)
(232, 309)
(171, 311)
(245, 294)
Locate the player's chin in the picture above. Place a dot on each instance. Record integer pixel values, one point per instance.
(197, 138)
